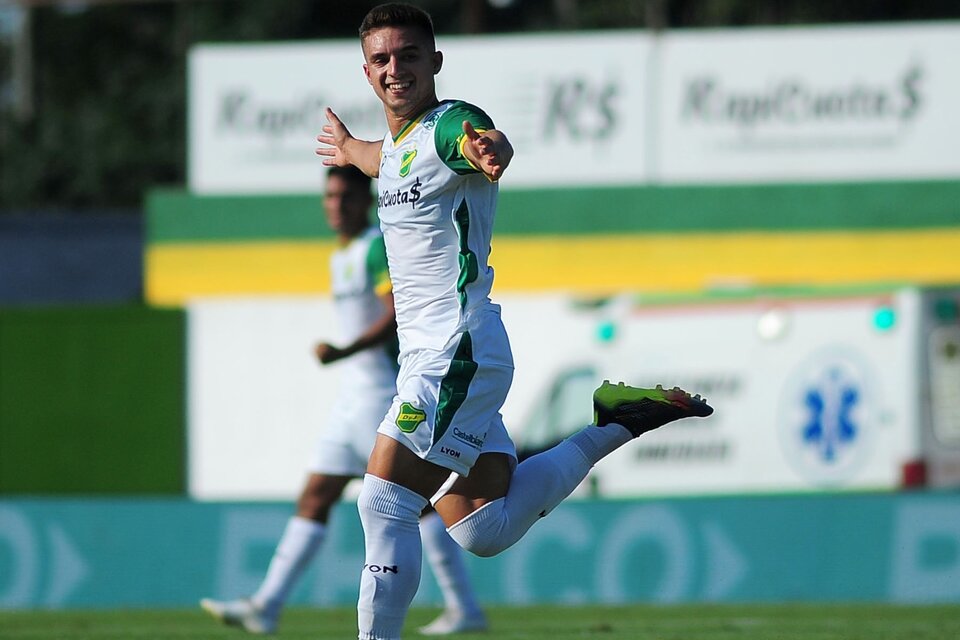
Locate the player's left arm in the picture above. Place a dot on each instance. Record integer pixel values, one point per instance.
(489, 151)
(468, 142)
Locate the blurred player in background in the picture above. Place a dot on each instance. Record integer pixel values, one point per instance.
(366, 319)
(443, 440)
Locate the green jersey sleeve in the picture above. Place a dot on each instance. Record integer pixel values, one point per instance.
(449, 136)
(377, 267)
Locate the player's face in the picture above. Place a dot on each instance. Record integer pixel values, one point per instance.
(347, 206)
(400, 66)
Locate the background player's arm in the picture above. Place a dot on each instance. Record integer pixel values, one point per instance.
(384, 329)
(343, 149)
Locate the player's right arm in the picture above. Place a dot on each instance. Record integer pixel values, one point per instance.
(342, 148)
(382, 330)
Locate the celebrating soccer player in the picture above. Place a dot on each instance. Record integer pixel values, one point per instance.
(443, 439)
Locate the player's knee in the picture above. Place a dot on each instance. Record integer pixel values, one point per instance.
(482, 532)
(315, 506)
(480, 547)
(367, 502)
(316, 511)
(380, 499)
(484, 550)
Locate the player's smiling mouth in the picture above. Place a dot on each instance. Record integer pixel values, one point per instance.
(398, 86)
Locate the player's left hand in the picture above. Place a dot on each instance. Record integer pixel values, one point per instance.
(490, 151)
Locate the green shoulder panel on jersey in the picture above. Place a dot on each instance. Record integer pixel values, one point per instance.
(377, 266)
(449, 132)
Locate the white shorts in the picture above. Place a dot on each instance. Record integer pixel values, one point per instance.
(347, 439)
(447, 409)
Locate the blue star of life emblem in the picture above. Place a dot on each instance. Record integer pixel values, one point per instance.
(830, 425)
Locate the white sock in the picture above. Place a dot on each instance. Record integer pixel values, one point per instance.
(446, 561)
(299, 543)
(391, 571)
(597, 442)
(538, 485)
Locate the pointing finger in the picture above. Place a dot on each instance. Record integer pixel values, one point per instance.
(469, 130)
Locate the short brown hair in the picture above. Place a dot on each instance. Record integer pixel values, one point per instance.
(351, 175)
(397, 14)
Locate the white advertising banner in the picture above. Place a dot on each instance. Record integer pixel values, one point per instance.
(745, 105)
(827, 103)
(255, 112)
(574, 107)
(810, 394)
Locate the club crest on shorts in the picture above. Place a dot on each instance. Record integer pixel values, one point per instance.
(409, 418)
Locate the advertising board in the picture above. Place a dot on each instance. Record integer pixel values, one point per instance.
(812, 392)
(255, 110)
(617, 108)
(812, 104)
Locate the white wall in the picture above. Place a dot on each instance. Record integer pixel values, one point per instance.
(257, 398)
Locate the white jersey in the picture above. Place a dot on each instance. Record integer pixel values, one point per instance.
(436, 212)
(359, 277)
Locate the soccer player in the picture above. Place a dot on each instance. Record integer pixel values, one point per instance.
(366, 322)
(443, 439)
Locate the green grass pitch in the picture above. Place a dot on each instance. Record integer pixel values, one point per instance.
(639, 622)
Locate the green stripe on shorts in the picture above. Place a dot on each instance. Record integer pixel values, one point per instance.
(453, 388)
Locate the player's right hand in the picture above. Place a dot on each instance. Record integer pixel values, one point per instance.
(327, 353)
(335, 136)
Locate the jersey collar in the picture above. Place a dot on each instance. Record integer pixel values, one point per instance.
(411, 124)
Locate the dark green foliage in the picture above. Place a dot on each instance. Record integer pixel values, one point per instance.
(91, 402)
(108, 115)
